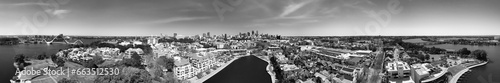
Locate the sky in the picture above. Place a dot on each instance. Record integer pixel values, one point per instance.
(283, 17)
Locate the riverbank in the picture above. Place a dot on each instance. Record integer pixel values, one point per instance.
(455, 78)
(204, 78)
(269, 68)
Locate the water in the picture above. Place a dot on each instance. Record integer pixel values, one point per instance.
(480, 74)
(418, 40)
(7, 53)
(248, 69)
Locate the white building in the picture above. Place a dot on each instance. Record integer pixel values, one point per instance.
(130, 51)
(183, 69)
(124, 43)
(186, 68)
(398, 69)
(420, 71)
(152, 41)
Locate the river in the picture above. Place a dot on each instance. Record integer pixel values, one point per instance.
(418, 40)
(249, 69)
(482, 73)
(8, 52)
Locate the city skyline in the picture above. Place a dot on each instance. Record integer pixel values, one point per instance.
(283, 17)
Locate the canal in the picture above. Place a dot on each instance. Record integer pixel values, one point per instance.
(249, 69)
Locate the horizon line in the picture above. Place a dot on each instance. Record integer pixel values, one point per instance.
(278, 34)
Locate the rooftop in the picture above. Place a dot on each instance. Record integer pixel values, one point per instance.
(200, 56)
(179, 61)
(397, 65)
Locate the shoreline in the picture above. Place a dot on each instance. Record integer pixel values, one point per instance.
(212, 73)
(269, 70)
(455, 78)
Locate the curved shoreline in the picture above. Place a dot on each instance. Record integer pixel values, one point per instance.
(455, 78)
(270, 70)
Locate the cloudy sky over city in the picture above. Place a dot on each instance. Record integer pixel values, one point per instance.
(284, 17)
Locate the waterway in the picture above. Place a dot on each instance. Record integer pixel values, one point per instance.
(7, 53)
(482, 73)
(249, 69)
(418, 40)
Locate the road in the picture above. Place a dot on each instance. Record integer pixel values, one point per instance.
(376, 68)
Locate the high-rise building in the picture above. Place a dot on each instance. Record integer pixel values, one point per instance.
(175, 35)
(204, 35)
(225, 36)
(208, 34)
(253, 32)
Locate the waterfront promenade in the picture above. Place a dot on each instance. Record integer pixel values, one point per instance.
(455, 78)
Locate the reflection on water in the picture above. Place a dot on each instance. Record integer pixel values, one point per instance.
(248, 69)
(7, 53)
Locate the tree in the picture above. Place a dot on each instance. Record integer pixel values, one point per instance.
(134, 61)
(427, 57)
(19, 58)
(168, 63)
(64, 80)
(90, 64)
(57, 60)
(41, 56)
(97, 59)
(318, 80)
(132, 75)
(480, 55)
(136, 56)
(463, 52)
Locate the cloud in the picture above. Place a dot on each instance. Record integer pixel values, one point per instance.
(60, 13)
(27, 4)
(294, 7)
(175, 19)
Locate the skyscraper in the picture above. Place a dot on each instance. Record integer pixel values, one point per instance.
(225, 36)
(208, 34)
(175, 35)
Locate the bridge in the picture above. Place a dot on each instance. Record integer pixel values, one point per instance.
(63, 42)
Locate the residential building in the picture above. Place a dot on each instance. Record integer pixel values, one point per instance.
(183, 69)
(130, 51)
(152, 41)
